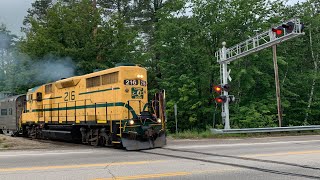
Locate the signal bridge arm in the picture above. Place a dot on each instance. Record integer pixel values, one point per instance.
(273, 36)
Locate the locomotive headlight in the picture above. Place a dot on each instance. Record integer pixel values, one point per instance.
(131, 122)
(159, 120)
(140, 76)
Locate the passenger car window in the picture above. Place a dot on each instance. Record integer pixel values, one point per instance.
(4, 112)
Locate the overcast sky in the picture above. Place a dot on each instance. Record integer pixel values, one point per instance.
(13, 11)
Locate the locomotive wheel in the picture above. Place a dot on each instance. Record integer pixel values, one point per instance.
(32, 132)
(94, 142)
(94, 138)
(102, 141)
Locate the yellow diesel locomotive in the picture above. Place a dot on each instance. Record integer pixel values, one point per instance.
(109, 108)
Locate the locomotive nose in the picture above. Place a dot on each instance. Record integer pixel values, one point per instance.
(150, 137)
(149, 132)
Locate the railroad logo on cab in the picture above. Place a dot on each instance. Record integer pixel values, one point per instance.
(137, 93)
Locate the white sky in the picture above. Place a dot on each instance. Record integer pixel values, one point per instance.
(12, 13)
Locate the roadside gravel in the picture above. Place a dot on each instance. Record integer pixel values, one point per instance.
(21, 143)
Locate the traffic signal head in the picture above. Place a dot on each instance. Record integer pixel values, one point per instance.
(221, 99)
(288, 27)
(226, 87)
(231, 99)
(278, 30)
(220, 88)
(217, 88)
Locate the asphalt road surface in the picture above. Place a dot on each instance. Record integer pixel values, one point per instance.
(295, 157)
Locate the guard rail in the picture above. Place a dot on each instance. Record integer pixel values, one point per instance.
(265, 130)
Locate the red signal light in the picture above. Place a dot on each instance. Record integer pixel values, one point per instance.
(221, 99)
(277, 31)
(217, 88)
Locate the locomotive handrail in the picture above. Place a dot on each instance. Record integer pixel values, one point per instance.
(66, 107)
(140, 105)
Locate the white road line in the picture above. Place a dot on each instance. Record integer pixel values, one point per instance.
(239, 144)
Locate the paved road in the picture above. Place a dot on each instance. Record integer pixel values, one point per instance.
(296, 157)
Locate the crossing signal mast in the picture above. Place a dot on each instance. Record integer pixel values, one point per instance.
(270, 38)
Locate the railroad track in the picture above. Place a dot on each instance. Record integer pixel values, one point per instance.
(238, 161)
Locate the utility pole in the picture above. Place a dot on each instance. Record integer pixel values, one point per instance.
(176, 116)
(276, 78)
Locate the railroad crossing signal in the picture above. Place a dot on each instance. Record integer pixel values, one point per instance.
(278, 30)
(224, 99)
(292, 28)
(217, 88)
(226, 87)
(221, 99)
(289, 27)
(287, 30)
(220, 88)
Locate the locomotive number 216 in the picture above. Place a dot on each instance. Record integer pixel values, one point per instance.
(69, 96)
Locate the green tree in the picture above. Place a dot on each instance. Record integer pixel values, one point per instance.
(15, 76)
(77, 30)
(176, 41)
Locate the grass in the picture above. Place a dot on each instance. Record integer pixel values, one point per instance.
(192, 134)
(2, 144)
(6, 146)
(196, 134)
